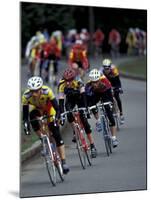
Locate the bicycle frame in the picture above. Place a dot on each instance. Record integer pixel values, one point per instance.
(78, 124)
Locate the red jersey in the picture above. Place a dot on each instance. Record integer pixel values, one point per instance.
(114, 37)
(103, 85)
(51, 49)
(98, 37)
(78, 53)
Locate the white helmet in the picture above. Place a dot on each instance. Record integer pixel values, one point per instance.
(94, 75)
(35, 83)
(106, 63)
(78, 42)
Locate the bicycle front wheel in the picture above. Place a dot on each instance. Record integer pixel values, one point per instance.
(81, 151)
(51, 169)
(106, 138)
(59, 167)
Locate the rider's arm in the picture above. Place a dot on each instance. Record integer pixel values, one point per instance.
(25, 112)
(25, 97)
(56, 107)
(83, 95)
(118, 81)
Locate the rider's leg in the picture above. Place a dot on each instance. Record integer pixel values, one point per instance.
(60, 145)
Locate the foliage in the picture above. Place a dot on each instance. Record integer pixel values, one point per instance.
(38, 16)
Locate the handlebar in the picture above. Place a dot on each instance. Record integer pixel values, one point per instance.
(73, 111)
(42, 118)
(100, 105)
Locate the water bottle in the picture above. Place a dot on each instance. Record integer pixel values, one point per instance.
(98, 126)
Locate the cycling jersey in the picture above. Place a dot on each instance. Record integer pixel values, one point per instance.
(98, 37)
(43, 103)
(114, 37)
(51, 49)
(74, 89)
(78, 54)
(103, 85)
(113, 76)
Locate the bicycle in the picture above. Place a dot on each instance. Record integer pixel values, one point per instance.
(81, 140)
(49, 149)
(105, 125)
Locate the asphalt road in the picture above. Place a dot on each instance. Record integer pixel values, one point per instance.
(124, 170)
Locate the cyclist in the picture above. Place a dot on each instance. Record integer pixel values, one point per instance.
(112, 73)
(99, 88)
(78, 54)
(43, 101)
(98, 39)
(74, 91)
(50, 52)
(114, 42)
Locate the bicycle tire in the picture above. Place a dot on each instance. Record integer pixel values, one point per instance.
(50, 165)
(106, 137)
(51, 169)
(81, 151)
(88, 156)
(59, 168)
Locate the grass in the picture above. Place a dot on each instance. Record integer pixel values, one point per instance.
(137, 66)
(27, 141)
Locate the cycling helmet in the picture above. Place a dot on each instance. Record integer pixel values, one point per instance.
(94, 75)
(35, 83)
(78, 41)
(106, 63)
(69, 74)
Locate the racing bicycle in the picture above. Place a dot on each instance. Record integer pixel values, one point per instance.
(49, 151)
(105, 125)
(81, 141)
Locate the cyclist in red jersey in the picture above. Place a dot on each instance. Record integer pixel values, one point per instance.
(98, 38)
(114, 42)
(50, 51)
(99, 88)
(78, 54)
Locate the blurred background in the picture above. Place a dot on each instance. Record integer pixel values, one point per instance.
(50, 17)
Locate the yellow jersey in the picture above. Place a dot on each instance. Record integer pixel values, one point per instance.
(43, 103)
(75, 88)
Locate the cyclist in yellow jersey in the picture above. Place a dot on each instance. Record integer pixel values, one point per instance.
(43, 102)
(112, 73)
(72, 91)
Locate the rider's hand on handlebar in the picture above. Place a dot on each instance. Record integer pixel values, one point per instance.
(120, 91)
(62, 122)
(88, 114)
(27, 128)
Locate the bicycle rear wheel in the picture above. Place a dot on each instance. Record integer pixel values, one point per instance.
(81, 151)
